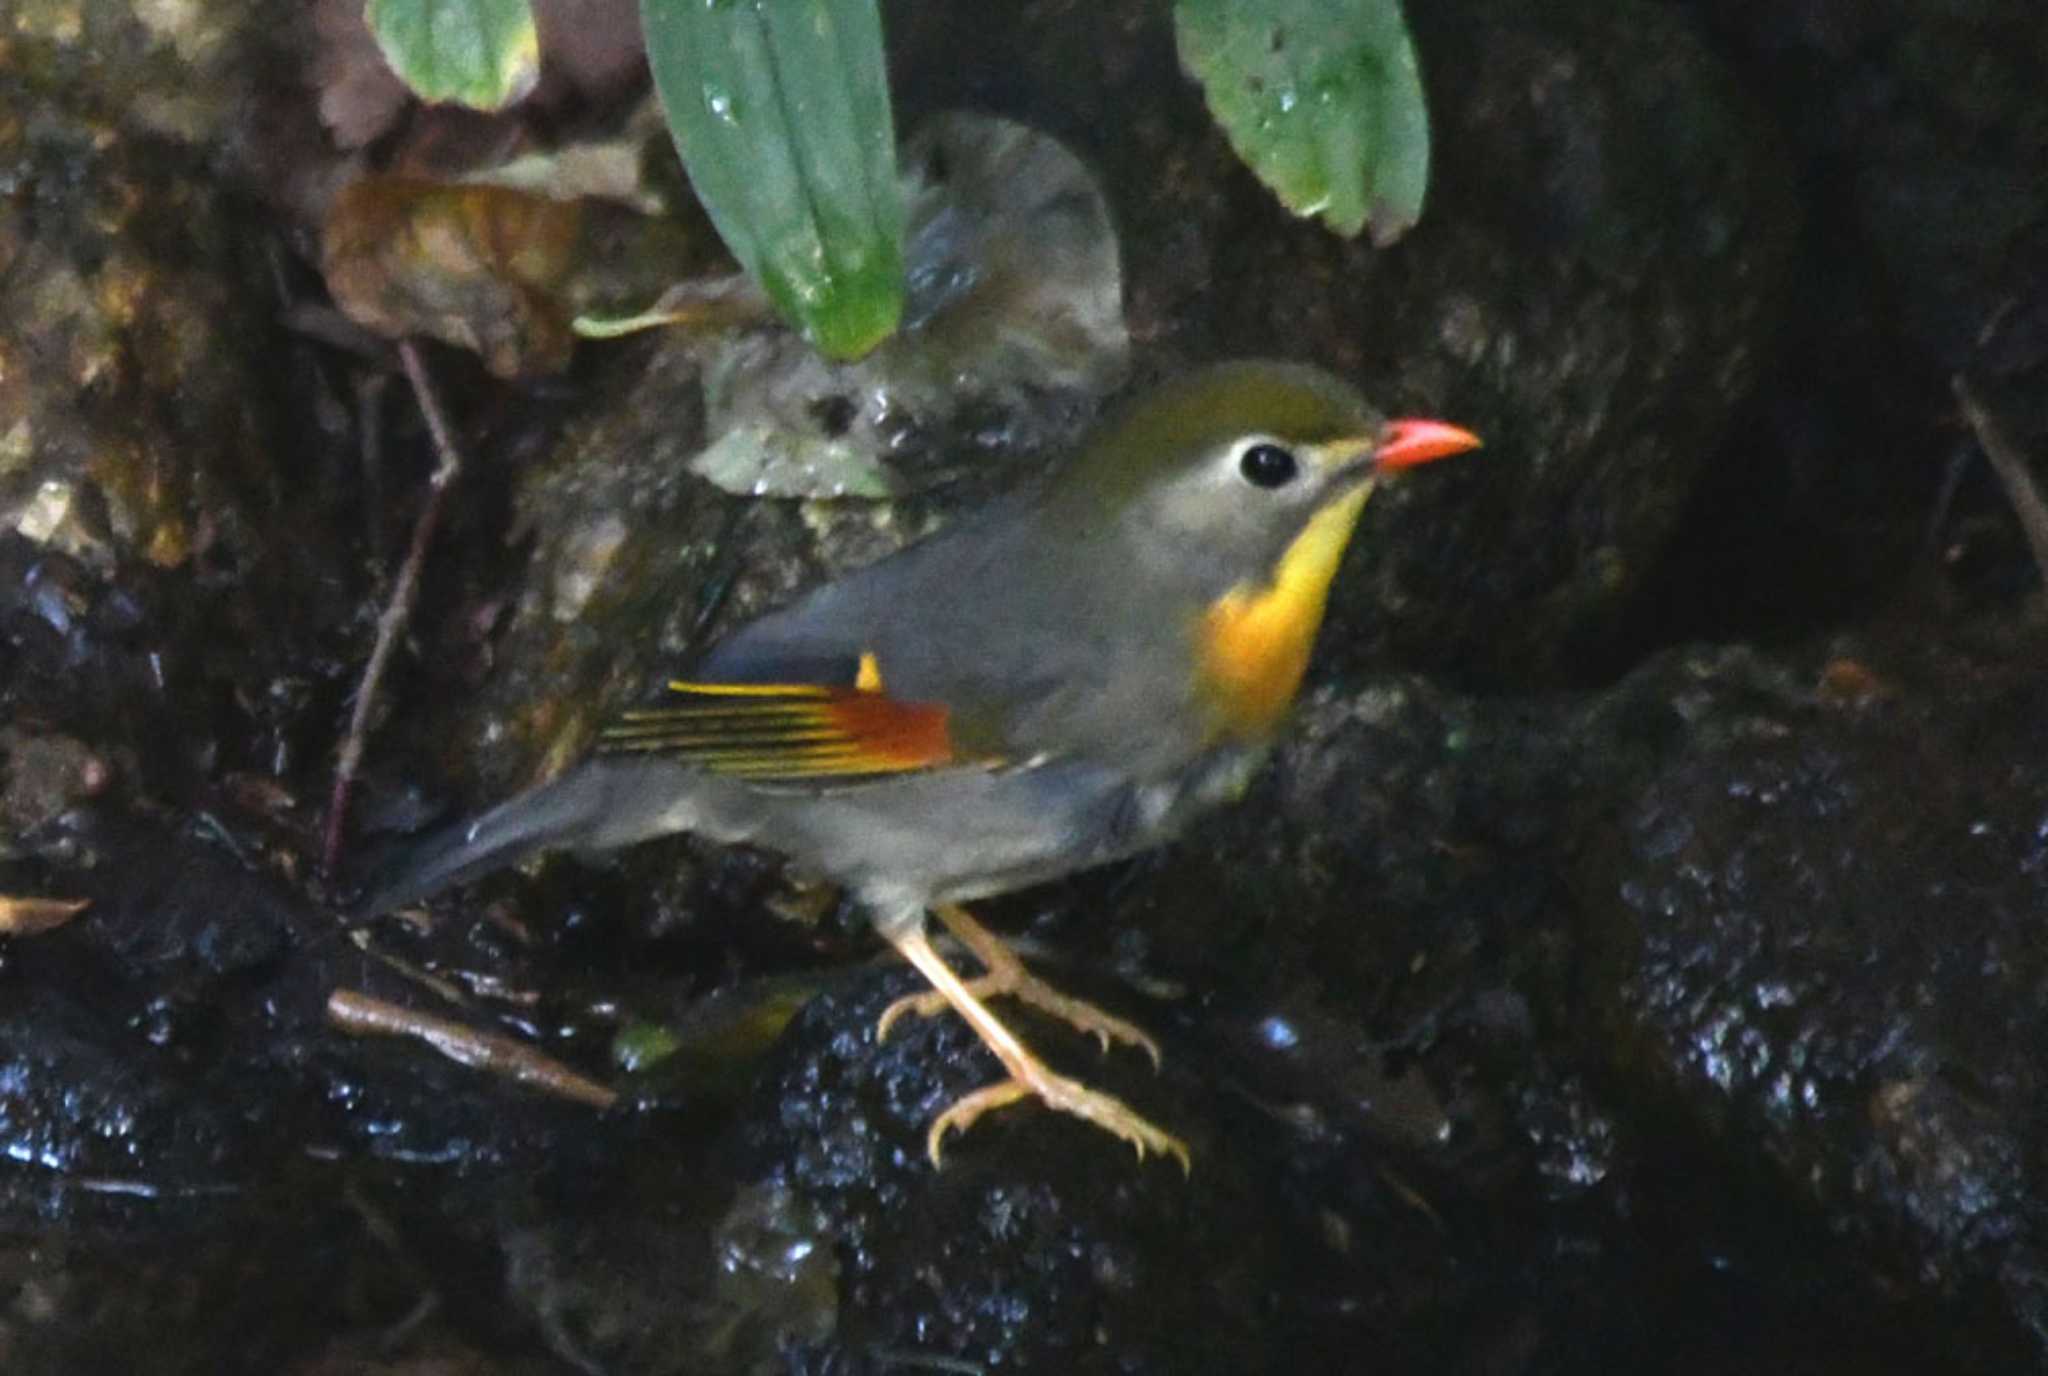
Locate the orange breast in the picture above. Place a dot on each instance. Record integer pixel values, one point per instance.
(1253, 643)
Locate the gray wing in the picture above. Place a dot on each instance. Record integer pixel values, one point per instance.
(1032, 658)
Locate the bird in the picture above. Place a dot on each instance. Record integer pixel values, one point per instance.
(1058, 681)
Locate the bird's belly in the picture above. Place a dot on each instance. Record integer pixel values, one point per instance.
(959, 835)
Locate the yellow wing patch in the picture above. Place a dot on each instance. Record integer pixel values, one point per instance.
(790, 731)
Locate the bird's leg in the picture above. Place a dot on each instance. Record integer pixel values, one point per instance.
(1029, 1076)
(1007, 975)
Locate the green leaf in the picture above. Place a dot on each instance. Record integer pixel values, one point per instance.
(1321, 98)
(480, 53)
(780, 110)
(641, 1046)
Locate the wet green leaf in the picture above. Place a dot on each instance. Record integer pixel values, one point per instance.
(640, 1046)
(1322, 99)
(780, 109)
(481, 53)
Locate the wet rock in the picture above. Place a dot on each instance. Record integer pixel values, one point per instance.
(40, 776)
(167, 512)
(133, 381)
(87, 1107)
(233, 1285)
(1919, 137)
(172, 1036)
(180, 73)
(1381, 927)
(168, 911)
(1394, 832)
(1318, 1223)
(1041, 1242)
(679, 1271)
(1815, 922)
(119, 1081)
(1925, 126)
(628, 550)
(1744, 919)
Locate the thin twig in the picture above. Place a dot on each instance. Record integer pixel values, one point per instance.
(361, 1015)
(403, 593)
(2011, 467)
(385, 1232)
(371, 390)
(363, 942)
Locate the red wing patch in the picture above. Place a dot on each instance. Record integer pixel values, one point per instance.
(788, 731)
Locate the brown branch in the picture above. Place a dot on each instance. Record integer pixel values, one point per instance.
(391, 625)
(2011, 467)
(360, 1015)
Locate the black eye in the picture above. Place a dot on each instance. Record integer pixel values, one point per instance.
(1267, 465)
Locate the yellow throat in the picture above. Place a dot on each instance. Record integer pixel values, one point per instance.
(1253, 643)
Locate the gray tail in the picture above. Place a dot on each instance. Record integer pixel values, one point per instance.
(599, 805)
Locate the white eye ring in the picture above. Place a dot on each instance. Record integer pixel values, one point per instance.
(1264, 462)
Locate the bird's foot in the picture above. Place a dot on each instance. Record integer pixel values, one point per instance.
(1106, 1028)
(1063, 1095)
(1007, 975)
(1029, 1077)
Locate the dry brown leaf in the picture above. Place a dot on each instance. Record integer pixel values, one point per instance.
(480, 267)
(28, 916)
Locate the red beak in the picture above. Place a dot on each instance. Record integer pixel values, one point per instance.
(1406, 443)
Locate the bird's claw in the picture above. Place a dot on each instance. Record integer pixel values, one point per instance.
(926, 1005)
(1063, 1095)
(1107, 1028)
